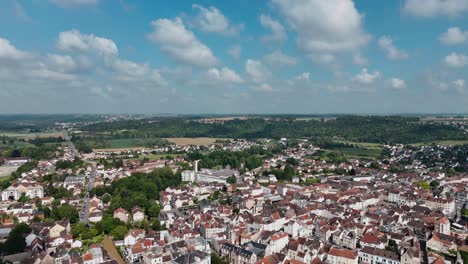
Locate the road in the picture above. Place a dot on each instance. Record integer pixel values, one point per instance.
(84, 213)
(70, 144)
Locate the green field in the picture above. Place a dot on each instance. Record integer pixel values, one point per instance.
(158, 156)
(443, 142)
(362, 144)
(31, 135)
(122, 143)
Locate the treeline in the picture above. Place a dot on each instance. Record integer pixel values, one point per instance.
(249, 159)
(375, 129)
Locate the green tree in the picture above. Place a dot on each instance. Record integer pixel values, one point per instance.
(15, 242)
(231, 180)
(119, 232)
(154, 210)
(65, 211)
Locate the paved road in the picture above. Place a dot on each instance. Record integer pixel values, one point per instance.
(84, 213)
(70, 144)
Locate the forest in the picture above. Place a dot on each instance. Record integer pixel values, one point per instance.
(374, 129)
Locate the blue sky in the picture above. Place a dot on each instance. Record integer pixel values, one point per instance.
(245, 56)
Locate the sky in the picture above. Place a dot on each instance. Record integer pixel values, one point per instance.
(234, 57)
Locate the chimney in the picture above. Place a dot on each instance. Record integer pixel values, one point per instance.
(195, 165)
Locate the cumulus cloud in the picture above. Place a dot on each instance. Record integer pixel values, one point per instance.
(324, 26)
(434, 8)
(212, 20)
(397, 83)
(74, 3)
(73, 40)
(257, 71)
(277, 30)
(71, 73)
(278, 58)
(366, 77)
(456, 60)
(235, 51)
(180, 43)
(454, 36)
(393, 53)
(10, 52)
(223, 75)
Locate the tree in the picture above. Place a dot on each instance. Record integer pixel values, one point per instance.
(119, 232)
(65, 211)
(231, 180)
(106, 198)
(154, 210)
(15, 242)
(77, 229)
(434, 184)
(215, 259)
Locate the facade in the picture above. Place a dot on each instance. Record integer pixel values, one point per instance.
(15, 191)
(369, 255)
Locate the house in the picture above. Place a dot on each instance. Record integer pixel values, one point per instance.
(341, 256)
(137, 214)
(194, 257)
(369, 255)
(133, 235)
(121, 214)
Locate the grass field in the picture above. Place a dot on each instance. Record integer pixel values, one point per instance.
(122, 143)
(358, 153)
(194, 141)
(158, 156)
(362, 144)
(7, 170)
(443, 142)
(32, 135)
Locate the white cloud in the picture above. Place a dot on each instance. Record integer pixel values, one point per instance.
(324, 26)
(359, 59)
(305, 76)
(459, 83)
(365, 77)
(74, 3)
(454, 36)
(73, 40)
(397, 83)
(223, 75)
(277, 58)
(264, 87)
(235, 51)
(212, 20)
(433, 8)
(456, 60)
(71, 73)
(8, 51)
(277, 30)
(257, 71)
(180, 43)
(460, 86)
(60, 62)
(386, 44)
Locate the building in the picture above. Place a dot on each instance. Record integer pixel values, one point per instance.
(342, 256)
(194, 257)
(369, 255)
(14, 192)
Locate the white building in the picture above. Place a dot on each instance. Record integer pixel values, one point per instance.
(14, 192)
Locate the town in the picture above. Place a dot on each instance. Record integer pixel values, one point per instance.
(236, 201)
